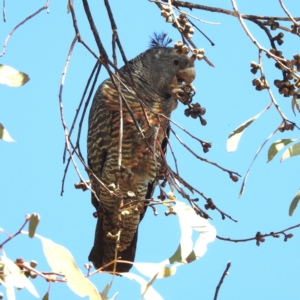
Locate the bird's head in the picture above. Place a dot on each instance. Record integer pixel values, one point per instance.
(158, 71)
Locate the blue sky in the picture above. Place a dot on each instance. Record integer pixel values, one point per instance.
(31, 169)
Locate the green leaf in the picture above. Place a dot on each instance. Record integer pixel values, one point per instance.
(235, 136)
(46, 296)
(15, 277)
(33, 223)
(292, 151)
(61, 261)
(4, 135)
(294, 203)
(12, 77)
(277, 146)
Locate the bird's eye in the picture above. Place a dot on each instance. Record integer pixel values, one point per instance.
(176, 62)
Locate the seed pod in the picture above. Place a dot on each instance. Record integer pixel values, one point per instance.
(201, 51)
(280, 35)
(185, 49)
(202, 111)
(234, 178)
(256, 82)
(169, 19)
(164, 14)
(33, 263)
(205, 149)
(194, 115)
(32, 275)
(112, 186)
(203, 122)
(297, 56)
(283, 90)
(130, 194)
(280, 42)
(178, 45)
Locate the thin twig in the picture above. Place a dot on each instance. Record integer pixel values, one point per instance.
(273, 234)
(21, 23)
(288, 13)
(222, 279)
(15, 234)
(67, 140)
(80, 104)
(227, 12)
(201, 158)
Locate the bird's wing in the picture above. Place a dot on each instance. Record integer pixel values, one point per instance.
(99, 138)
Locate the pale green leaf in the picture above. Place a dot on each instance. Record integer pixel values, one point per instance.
(4, 135)
(16, 277)
(12, 77)
(148, 285)
(9, 285)
(151, 293)
(61, 261)
(4, 12)
(190, 221)
(166, 272)
(292, 151)
(160, 270)
(235, 136)
(33, 223)
(46, 296)
(277, 146)
(248, 171)
(294, 203)
(106, 290)
(294, 101)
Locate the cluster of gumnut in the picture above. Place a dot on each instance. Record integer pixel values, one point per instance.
(186, 92)
(181, 48)
(180, 22)
(27, 272)
(259, 83)
(286, 126)
(285, 86)
(295, 29)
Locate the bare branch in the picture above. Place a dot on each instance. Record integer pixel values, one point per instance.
(21, 23)
(222, 279)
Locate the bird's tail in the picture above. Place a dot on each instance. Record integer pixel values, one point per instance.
(104, 249)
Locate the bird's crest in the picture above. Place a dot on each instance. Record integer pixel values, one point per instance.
(159, 40)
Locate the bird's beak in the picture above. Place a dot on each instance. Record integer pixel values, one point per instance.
(188, 74)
